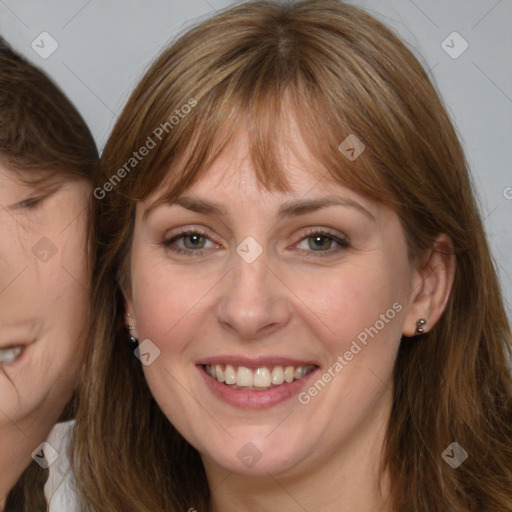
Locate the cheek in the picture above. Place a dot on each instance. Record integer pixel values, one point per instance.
(73, 254)
(166, 296)
(52, 278)
(353, 302)
(48, 372)
(15, 255)
(61, 282)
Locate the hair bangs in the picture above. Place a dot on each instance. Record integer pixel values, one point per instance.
(267, 111)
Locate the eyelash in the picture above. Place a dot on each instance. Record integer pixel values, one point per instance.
(342, 243)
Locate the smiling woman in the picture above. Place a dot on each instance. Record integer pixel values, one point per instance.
(47, 156)
(309, 229)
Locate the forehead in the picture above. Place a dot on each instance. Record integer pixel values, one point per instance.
(233, 172)
(232, 175)
(28, 177)
(230, 186)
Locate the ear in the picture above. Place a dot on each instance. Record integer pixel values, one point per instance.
(431, 285)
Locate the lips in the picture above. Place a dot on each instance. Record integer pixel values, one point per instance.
(258, 378)
(255, 382)
(16, 337)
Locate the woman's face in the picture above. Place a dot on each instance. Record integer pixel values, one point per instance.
(264, 299)
(43, 296)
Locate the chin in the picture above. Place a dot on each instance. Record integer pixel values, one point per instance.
(253, 451)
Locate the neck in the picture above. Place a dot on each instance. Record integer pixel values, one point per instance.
(15, 456)
(344, 481)
(18, 442)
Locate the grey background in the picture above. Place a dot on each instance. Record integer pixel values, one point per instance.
(104, 47)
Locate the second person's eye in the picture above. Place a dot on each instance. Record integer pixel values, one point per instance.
(30, 203)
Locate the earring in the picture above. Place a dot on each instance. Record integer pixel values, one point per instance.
(131, 338)
(419, 326)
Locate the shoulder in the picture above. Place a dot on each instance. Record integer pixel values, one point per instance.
(59, 488)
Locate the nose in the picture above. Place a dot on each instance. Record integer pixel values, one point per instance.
(254, 302)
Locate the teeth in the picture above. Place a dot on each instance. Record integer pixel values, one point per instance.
(289, 374)
(243, 376)
(229, 375)
(262, 378)
(259, 378)
(219, 373)
(277, 375)
(299, 373)
(8, 355)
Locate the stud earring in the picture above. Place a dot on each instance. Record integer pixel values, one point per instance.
(131, 338)
(419, 325)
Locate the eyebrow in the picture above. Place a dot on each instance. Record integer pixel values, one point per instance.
(293, 208)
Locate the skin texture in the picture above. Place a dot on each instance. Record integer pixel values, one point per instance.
(290, 302)
(44, 304)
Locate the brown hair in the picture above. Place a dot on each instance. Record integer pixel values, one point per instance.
(42, 135)
(40, 129)
(340, 72)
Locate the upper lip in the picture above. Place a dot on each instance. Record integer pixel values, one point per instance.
(21, 343)
(255, 362)
(21, 333)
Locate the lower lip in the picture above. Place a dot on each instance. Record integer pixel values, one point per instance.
(255, 399)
